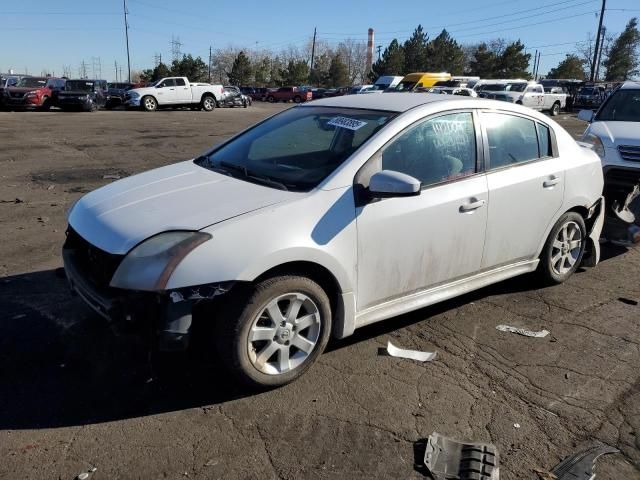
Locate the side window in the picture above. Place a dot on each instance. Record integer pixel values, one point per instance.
(170, 82)
(436, 150)
(180, 82)
(544, 139)
(539, 90)
(511, 139)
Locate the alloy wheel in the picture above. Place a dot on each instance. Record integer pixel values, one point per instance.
(566, 248)
(284, 334)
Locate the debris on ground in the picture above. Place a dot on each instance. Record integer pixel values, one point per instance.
(43, 219)
(628, 301)
(516, 425)
(447, 459)
(85, 475)
(544, 474)
(17, 200)
(580, 465)
(111, 177)
(522, 331)
(410, 354)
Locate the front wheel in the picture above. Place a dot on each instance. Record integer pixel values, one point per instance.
(149, 104)
(274, 336)
(208, 103)
(564, 248)
(271, 99)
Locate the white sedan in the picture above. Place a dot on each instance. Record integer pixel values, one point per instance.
(333, 215)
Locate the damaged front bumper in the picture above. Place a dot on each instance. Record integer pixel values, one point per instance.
(168, 313)
(621, 191)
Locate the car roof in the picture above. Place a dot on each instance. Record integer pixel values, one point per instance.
(630, 84)
(391, 102)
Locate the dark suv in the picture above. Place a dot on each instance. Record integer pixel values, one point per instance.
(87, 95)
(115, 94)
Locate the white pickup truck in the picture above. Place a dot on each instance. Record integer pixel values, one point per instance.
(532, 95)
(175, 92)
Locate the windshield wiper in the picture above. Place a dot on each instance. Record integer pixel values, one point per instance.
(252, 175)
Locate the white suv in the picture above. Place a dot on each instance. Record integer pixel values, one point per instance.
(333, 215)
(614, 132)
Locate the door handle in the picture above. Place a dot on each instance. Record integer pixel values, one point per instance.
(551, 182)
(172, 89)
(470, 207)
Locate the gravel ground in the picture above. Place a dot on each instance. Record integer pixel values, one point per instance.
(74, 396)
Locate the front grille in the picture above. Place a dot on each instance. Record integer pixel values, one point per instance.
(17, 95)
(95, 264)
(629, 153)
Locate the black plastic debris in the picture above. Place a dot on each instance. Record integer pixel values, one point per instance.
(448, 459)
(580, 465)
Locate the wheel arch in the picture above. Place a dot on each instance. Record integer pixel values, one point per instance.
(209, 94)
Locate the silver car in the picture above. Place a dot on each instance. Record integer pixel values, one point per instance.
(332, 215)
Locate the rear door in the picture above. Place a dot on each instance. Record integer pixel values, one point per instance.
(526, 186)
(183, 91)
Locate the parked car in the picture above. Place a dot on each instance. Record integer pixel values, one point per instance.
(174, 92)
(414, 81)
(33, 93)
(590, 96)
(358, 89)
(318, 93)
(7, 80)
(384, 82)
(233, 97)
(336, 92)
(81, 94)
(285, 94)
(532, 95)
(465, 92)
(116, 94)
(333, 215)
(256, 93)
(614, 133)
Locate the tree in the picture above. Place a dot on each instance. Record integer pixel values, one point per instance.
(391, 62)
(296, 73)
(415, 51)
(571, 67)
(623, 61)
(261, 71)
(192, 68)
(513, 62)
(319, 76)
(153, 75)
(241, 71)
(445, 55)
(484, 62)
(338, 72)
(354, 55)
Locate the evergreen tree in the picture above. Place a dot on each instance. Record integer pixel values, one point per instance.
(391, 62)
(153, 75)
(571, 67)
(319, 76)
(192, 68)
(445, 55)
(262, 71)
(296, 73)
(241, 71)
(484, 62)
(415, 51)
(622, 62)
(513, 62)
(338, 72)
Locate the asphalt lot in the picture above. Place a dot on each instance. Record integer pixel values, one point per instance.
(74, 396)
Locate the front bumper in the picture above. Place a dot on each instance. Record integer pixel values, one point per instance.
(73, 102)
(24, 102)
(132, 102)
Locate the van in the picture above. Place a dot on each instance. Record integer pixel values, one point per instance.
(413, 81)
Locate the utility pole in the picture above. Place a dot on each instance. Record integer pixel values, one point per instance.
(126, 33)
(597, 48)
(313, 47)
(604, 32)
(379, 48)
(209, 64)
(535, 59)
(116, 65)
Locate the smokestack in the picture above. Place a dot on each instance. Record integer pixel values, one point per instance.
(370, 51)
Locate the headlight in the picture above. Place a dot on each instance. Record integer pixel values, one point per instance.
(31, 94)
(594, 140)
(149, 265)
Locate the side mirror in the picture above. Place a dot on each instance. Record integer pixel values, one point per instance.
(389, 183)
(585, 115)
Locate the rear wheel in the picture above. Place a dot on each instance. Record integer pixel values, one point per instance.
(297, 99)
(277, 333)
(208, 103)
(564, 248)
(270, 99)
(149, 104)
(555, 109)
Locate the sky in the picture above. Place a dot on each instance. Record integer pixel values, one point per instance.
(39, 35)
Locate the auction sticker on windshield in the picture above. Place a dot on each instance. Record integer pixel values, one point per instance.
(348, 123)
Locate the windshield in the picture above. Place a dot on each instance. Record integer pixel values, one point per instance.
(297, 149)
(492, 87)
(622, 106)
(78, 85)
(588, 91)
(32, 82)
(515, 87)
(404, 86)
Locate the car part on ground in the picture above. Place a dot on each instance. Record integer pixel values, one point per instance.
(523, 331)
(394, 351)
(449, 459)
(580, 465)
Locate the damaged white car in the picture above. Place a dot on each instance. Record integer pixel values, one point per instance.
(333, 215)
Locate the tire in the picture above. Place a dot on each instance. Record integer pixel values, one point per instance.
(555, 109)
(558, 260)
(259, 363)
(519, 102)
(297, 99)
(208, 103)
(46, 105)
(270, 99)
(149, 104)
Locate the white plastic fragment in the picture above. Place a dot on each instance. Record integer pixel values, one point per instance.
(522, 331)
(85, 475)
(410, 354)
(516, 425)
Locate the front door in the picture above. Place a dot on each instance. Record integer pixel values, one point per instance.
(166, 92)
(411, 243)
(526, 187)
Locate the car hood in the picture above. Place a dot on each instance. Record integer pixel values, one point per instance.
(613, 134)
(183, 196)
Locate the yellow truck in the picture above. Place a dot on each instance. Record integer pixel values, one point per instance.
(414, 81)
